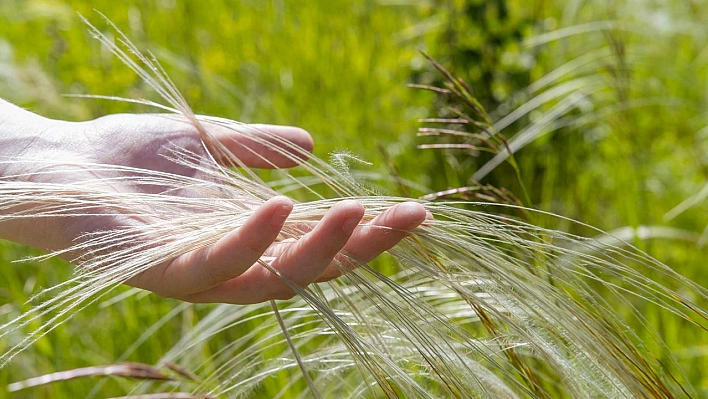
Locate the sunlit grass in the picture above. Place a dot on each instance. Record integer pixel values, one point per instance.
(334, 70)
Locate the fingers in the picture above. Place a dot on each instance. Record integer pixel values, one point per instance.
(229, 257)
(223, 272)
(381, 234)
(385, 231)
(245, 145)
(256, 146)
(303, 262)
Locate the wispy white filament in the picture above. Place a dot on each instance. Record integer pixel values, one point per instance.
(482, 304)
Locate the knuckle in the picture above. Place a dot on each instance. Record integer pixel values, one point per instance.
(219, 271)
(221, 275)
(256, 248)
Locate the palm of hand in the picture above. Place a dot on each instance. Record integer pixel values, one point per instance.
(227, 271)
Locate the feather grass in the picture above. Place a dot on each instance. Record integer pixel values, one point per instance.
(482, 305)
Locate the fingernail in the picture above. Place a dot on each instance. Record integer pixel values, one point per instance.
(280, 215)
(350, 224)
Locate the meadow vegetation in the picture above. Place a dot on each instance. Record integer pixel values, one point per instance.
(603, 104)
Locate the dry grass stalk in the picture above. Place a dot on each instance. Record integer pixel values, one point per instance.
(128, 370)
(166, 395)
(483, 305)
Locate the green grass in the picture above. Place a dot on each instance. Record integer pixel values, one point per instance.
(330, 68)
(339, 69)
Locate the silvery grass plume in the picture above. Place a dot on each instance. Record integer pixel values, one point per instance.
(482, 305)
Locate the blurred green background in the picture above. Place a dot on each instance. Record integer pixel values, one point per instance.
(606, 101)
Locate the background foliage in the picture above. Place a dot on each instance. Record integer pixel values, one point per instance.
(613, 93)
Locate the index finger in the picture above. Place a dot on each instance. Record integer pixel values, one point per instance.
(263, 146)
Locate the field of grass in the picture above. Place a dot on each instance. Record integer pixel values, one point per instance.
(618, 141)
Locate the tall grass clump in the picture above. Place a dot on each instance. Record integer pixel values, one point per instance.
(602, 106)
(479, 304)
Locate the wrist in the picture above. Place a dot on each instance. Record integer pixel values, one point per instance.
(22, 134)
(16, 121)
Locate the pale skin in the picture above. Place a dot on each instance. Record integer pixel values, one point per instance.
(227, 271)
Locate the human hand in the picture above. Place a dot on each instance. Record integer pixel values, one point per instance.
(226, 271)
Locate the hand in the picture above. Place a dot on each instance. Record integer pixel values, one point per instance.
(228, 270)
